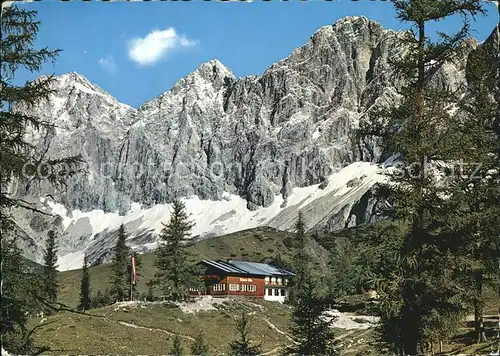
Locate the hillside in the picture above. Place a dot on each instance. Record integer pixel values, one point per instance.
(258, 245)
(147, 328)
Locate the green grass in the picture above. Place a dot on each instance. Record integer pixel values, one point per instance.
(151, 327)
(100, 331)
(71, 333)
(258, 245)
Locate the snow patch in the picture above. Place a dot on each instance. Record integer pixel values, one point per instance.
(205, 303)
(71, 261)
(212, 218)
(350, 321)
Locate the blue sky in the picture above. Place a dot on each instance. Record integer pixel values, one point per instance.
(137, 50)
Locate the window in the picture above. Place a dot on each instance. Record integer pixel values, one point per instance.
(273, 280)
(267, 280)
(286, 281)
(219, 287)
(243, 287)
(269, 291)
(283, 293)
(278, 281)
(276, 292)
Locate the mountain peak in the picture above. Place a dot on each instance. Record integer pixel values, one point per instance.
(353, 19)
(74, 77)
(79, 82)
(347, 25)
(213, 72)
(214, 69)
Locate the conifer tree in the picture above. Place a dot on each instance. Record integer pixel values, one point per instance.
(418, 128)
(199, 347)
(85, 286)
(174, 275)
(301, 261)
(17, 286)
(176, 346)
(120, 281)
(18, 159)
(311, 331)
(49, 273)
(475, 217)
(348, 272)
(101, 299)
(150, 294)
(243, 345)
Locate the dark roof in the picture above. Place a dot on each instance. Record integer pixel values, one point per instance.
(264, 268)
(224, 266)
(245, 267)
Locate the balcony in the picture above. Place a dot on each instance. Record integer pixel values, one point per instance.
(276, 281)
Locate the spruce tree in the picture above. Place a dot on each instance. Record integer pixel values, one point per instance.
(85, 286)
(418, 128)
(174, 275)
(120, 279)
(18, 31)
(199, 347)
(176, 346)
(18, 295)
(311, 331)
(243, 345)
(49, 273)
(301, 261)
(19, 159)
(150, 297)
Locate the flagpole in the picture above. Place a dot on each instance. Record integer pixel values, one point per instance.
(131, 275)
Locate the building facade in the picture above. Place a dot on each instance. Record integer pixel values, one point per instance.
(242, 278)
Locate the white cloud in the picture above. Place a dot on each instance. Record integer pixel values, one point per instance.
(156, 45)
(108, 63)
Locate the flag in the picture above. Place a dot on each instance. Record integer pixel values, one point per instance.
(134, 271)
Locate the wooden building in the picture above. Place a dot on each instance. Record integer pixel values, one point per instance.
(242, 278)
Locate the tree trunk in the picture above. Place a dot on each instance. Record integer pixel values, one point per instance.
(478, 307)
(410, 327)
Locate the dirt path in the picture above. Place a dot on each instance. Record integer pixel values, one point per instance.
(152, 329)
(346, 334)
(275, 328)
(273, 351)
(135, 326)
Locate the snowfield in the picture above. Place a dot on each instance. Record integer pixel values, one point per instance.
(214, 218)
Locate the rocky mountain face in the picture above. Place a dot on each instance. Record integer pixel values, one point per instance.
(214, 136)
